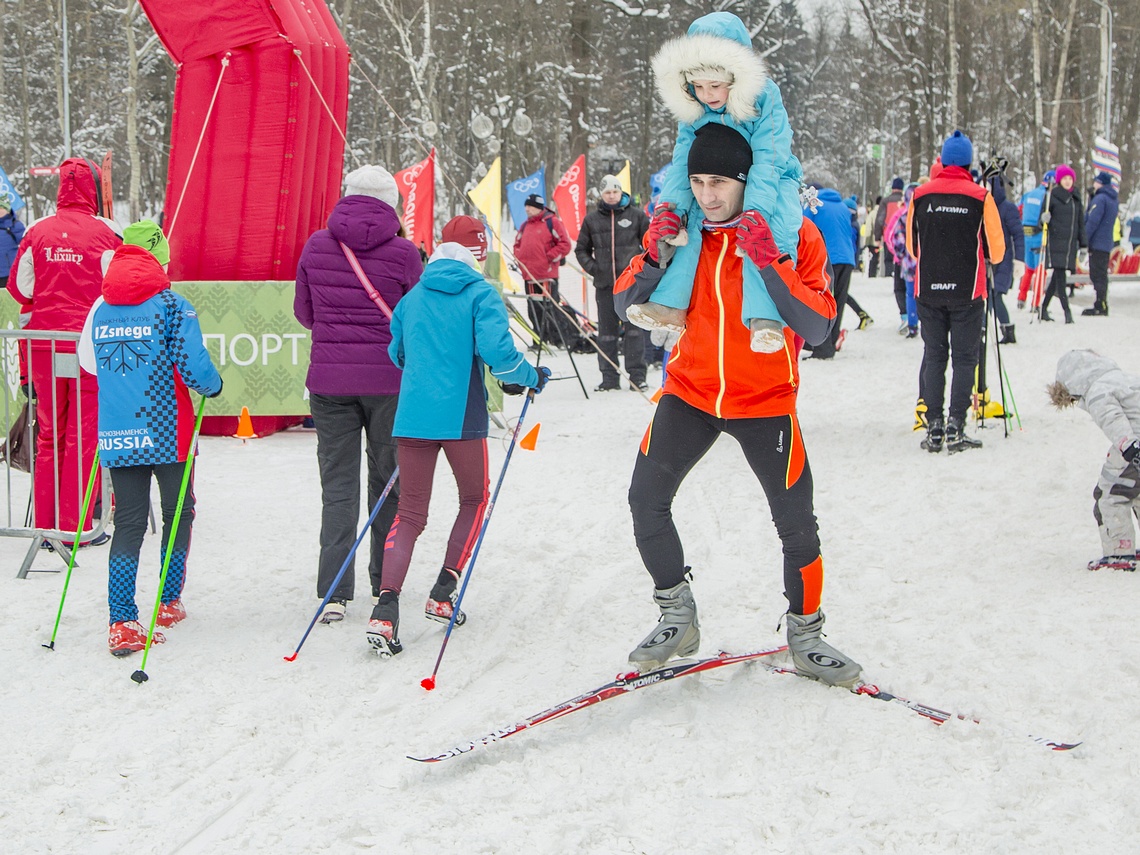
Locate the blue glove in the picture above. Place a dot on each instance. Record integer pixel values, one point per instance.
(543, 376)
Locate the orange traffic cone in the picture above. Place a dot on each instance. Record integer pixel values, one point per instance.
(528, 441)
(245, 426)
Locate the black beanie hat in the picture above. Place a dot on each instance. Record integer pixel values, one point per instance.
(719, 150)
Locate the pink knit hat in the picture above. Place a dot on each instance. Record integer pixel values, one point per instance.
(1064, 169)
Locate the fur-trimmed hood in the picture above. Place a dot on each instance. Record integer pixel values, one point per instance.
(716, 41)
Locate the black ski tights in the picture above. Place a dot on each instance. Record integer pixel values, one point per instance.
(678, 438)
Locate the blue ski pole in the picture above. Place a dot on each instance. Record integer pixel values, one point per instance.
(347, 559)
(429, 682)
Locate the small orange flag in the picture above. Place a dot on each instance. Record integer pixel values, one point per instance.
(245, 426)
(528, 441)
(656, 396)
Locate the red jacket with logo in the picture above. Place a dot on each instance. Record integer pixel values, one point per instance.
(953, 228)
(58, 271)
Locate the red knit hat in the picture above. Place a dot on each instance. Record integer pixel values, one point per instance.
(469, 232)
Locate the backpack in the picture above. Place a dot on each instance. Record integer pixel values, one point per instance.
(549, 220)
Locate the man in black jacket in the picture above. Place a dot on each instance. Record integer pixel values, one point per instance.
(611, 235)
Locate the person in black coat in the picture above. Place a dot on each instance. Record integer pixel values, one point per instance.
(610, 237)
(1100, 226)
(1066, 221)
(1010, 267)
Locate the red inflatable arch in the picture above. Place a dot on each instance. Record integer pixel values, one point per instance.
(256, 148)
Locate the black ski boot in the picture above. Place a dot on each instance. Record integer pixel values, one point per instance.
(441, 601)
(1099, 309)
(384, 627)
(935, 434)
(956, 439)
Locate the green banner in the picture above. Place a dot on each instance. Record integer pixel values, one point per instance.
(256, 343)
(252, 336)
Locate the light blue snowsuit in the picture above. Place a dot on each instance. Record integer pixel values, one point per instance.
(715, 41)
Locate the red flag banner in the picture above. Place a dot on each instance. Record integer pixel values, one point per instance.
(417, 185)
(570, 197)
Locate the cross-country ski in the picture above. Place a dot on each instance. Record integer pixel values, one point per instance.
(623, 684)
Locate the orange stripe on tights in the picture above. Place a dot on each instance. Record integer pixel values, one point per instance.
(813, 585)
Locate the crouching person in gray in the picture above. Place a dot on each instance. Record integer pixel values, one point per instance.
(1096, 384)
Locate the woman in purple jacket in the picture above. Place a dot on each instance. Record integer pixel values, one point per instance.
(352, 383)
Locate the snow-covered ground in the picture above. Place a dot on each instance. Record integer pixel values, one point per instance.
(958, 581)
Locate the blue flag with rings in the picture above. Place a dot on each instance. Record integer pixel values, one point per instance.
(518, 190)
(8, 192)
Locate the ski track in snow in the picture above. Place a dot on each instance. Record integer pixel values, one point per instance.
(956, 581)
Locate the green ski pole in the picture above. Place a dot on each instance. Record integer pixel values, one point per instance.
(140, 676)
(1013, 403)
(75, 546)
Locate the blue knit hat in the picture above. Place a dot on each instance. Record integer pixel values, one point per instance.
(897, 183)
(1104, 179)
(957, 150)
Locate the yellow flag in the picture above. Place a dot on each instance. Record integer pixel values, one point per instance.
(623, 177)
(488, 198)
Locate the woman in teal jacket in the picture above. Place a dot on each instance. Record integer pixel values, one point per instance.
(444, 332)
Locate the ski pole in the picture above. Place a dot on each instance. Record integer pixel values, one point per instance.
(140, 676)
(1013, 403)
(997, 348)
(75, 545)
(429, 682)
(347, 559)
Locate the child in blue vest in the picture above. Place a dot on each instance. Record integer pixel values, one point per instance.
(713, 75)
(143, 342)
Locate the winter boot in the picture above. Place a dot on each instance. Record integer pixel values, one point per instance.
(1043, 315)
(441, 601)
(677, 632)
(920, 415)
(127, 636)
(903, 325)
(935, 434)
(1007, 336)
(767, 336)
(1068, 317)
(814, 657)
(865, 321)
(171, 613)
(956, 439)
(1099, 309)
(334, 610)
(912, 332)
(1115, 562)
(654, 316)
(384, 627)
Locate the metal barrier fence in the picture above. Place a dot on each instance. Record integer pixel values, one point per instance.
(66, 481)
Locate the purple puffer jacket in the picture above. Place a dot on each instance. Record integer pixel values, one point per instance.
(350, 334)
